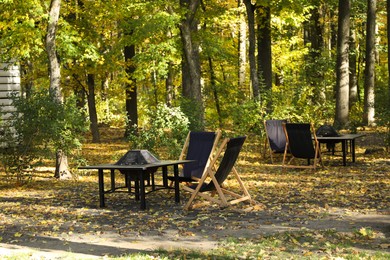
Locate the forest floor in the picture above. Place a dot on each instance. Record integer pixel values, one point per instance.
(47, 218)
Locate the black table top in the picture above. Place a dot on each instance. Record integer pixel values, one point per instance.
(135, 166)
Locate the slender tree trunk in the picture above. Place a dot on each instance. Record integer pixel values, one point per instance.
(131, 94)
(213, 83)
(51, 49)
(388, 55)
(169, 85)
(92, 109)
(264, 46)
(342, 65)
(369, 73)
(250, 11)
(242, 61)
(61, 169)
(353, 87)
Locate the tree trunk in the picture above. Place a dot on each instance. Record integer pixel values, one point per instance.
(388, 56)
(342, 65)
(131, 94)
(353, 87)
(191, 72)
(264, 51)
(169, 85)
(369, 72)
(213, 83)
(92, 109)
(242, 61)
(61, 170)
(250, 10)
(54, 63)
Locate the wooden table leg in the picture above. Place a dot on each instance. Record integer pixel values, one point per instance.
(101, 187)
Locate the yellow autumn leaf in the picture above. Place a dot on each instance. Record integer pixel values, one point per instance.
(17, 234)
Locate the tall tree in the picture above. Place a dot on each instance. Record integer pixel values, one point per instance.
(51, 50)
(62, 170)
(264, 49)
(388, 54)
(92, 108)
(191, 69)
(242, 61)
(250, 12)
(369, 72)
(131, 92)
(342, 65)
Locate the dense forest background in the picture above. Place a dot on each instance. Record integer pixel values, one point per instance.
(222, 64)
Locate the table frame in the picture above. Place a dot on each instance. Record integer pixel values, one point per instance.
(140, 172)
(344, 139)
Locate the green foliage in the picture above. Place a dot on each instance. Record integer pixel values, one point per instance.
(248, 117)
(193, 111)
(39, 127)
(164, 133)
(355, 117)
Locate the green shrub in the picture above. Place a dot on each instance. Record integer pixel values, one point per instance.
(38, 128)
(164, 133)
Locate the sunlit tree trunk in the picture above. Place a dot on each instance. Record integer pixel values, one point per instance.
(369, 72)
(169, 85)
(242, 60)
(51, 49)
(61, 169)
(191, 69)
(388, 55)
(353, 87)
(213, 83)
(342, 65)
(250, 11)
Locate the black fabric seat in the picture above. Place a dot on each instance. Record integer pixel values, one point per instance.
(301, 143)
(198, 147)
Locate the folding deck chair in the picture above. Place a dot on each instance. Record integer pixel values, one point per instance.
(275, 138)
(301, 142)
(216, 178)
(199, 146)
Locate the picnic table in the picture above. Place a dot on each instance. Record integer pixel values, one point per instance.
(345, 139)
(139, 174)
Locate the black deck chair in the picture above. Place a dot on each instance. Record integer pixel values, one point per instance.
(217, 178)
(301, 142)
(199, 146)
(276, 139)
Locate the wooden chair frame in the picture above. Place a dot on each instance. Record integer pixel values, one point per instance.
(222, 200)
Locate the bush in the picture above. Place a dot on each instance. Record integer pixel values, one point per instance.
(248, 117)
(165, 132)
(40, 127)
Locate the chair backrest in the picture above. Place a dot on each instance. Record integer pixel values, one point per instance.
(229, 158)
(300, 140)
(275, 135)
(199, 149)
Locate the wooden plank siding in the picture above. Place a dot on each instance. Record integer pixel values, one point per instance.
(9, 83)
